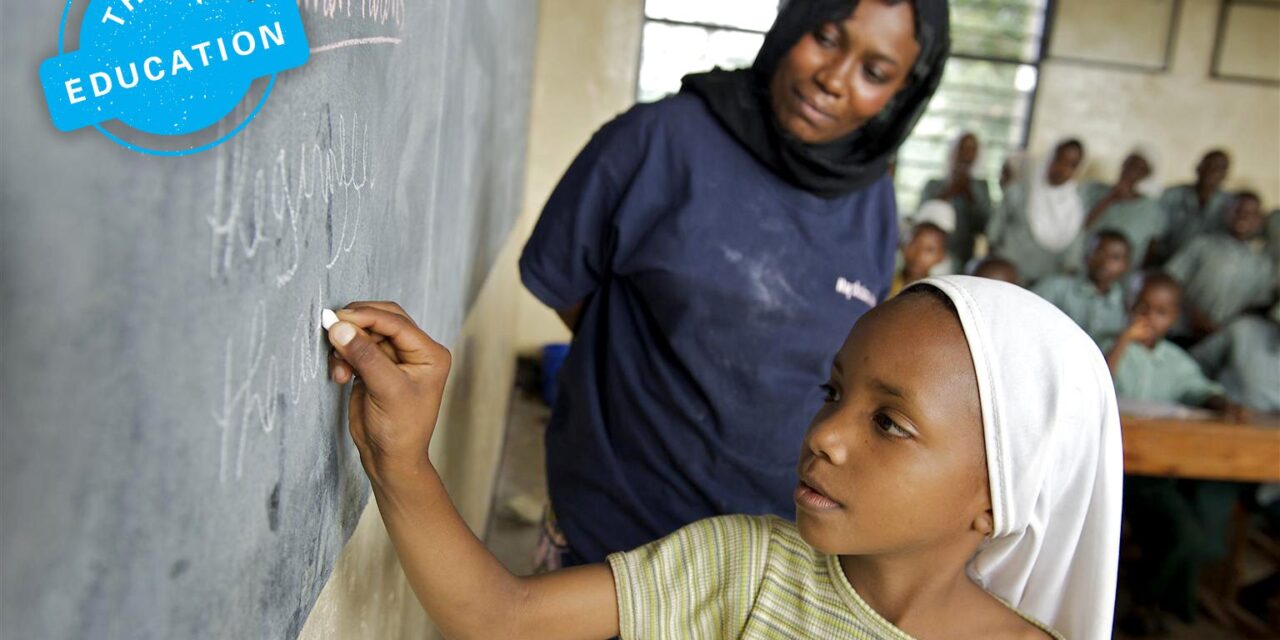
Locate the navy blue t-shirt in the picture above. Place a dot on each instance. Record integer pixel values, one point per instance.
(716, 295)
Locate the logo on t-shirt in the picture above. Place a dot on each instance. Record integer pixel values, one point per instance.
(855, 289)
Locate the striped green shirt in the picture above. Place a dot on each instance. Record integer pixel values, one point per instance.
(749, 577)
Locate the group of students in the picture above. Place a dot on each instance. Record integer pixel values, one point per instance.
(1179, 293)
(751, 438)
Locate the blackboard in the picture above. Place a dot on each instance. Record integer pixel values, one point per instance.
(173, 463)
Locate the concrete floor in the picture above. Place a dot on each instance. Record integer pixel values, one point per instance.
(521, 492)
(521, 495)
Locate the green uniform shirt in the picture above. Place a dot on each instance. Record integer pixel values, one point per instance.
(1140, 220)
(1273, 234)
(1163, 374)
(1101, 315)
(749, 577)
(1245, 358)
(971, 217)
(1186, 221)
(1222, 276)
(1010, 235)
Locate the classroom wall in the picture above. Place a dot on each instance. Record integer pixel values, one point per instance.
(584, 75)
(1179, 114)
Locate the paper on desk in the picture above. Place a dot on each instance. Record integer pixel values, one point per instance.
(1167, 410)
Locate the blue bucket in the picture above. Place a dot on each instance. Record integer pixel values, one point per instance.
(553, 356)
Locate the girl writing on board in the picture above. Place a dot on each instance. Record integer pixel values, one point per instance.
(962, 478)
(709, 252)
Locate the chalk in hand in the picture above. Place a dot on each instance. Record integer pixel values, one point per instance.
(328, 318)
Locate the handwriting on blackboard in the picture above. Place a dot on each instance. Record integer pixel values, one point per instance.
(382, 11)
(276, 210)
(256, 386)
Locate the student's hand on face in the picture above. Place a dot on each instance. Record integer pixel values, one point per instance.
(400, 375)
(1139, 330)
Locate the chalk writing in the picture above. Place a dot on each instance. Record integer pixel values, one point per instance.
(252, 399)
(355, 42)
(276, 209)
(381, 11)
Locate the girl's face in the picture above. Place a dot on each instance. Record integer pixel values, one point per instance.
(1064, 164)
(1159, 303)
(895, 460)
(840, 76)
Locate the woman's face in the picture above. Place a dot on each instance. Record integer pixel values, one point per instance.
(840, 76)
(895, 461)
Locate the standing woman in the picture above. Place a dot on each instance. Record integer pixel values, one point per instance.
(1042, 217)
(970, 196)
(709, 252)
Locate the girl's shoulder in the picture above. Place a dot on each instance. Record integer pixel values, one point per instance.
(1003, 620)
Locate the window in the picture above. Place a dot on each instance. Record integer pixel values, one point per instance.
(987, 88)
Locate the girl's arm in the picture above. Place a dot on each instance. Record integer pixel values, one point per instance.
(1139, 330)
(394, 403)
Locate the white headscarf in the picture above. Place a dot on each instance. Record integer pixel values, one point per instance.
(1052, 431)
(938, 212)
(1054, 214)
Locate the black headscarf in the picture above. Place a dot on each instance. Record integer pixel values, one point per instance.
(740, 100)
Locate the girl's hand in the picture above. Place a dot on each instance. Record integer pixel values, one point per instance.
(401, 375)
(1139, 330)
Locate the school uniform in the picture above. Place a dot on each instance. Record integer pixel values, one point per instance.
(972, 217)
(1140, 220)
(1101, 315)
(1178, 525)
(1013, 237)
(1245, 358)
(1222, 276)
(1273, 234)
(1164, 373)
(749, 577)
(1186, 220)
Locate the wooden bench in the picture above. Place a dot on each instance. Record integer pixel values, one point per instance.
(1211, 449)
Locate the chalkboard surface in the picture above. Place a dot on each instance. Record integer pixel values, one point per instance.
(173, 463)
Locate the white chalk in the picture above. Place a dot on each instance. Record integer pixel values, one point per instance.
(328, 318)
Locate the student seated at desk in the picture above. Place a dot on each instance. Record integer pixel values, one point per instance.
(1245, 358)
(1041, 217)
(997, 268)
(1223, 273)
(1196, 209)
(1095, 300)
(1172, 522)
(924, 248)
(1121, 207)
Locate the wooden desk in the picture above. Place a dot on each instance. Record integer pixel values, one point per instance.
(1205, 449)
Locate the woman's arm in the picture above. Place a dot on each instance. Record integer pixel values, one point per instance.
(394, 403)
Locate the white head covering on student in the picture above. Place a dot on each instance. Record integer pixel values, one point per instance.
(1054, 463)
(1055, 215)
(938, 212)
